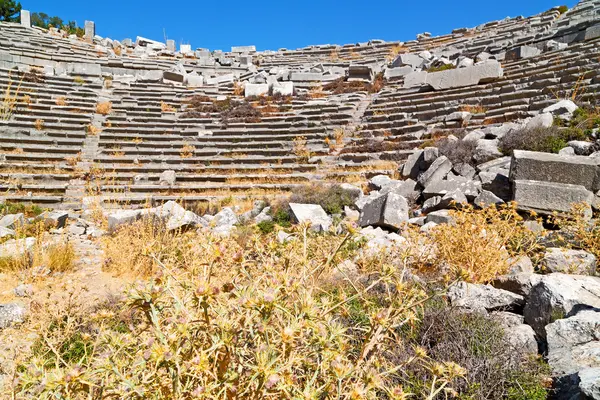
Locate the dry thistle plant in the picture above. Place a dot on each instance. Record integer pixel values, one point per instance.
(92, 130)
(580, 231)
(61, 101)
(223, 318)
(477, 246)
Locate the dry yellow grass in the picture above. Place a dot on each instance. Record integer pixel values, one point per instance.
(104, 108)
(61, 101)
(8, 103)
(39, 124)
(165, 107)
(473, 108)
(187, 151)
(238, 89)
(92, 130)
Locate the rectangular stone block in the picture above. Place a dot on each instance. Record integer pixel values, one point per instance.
(415, 79)
(243, 49)
(547, 197)
(306, 76)
(360, 73)
(173, 76)
(171, 45)
(522, 52)
(90, 31)
(283, 88)
(573, 170)
(485, 72)
(84, 69)
(256, 89)
(391, 73)
(25, 18)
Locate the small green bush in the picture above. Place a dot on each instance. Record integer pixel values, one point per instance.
(332, 198)
(443, 67)
(546, 140)
(30, 210)
(266, 226)
(563, 9)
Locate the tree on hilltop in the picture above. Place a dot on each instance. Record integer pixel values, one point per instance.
(10, 10)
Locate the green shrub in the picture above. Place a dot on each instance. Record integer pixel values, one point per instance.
(479, 344)
(443, 67)
(266, 226)
(30, 210)
(546, 140)
(563, 9)
(331, 197)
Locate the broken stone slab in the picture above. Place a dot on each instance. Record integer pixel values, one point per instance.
(440, 217)
(378, 182)
(487, 71)
(56, 218)
(486, 150)
(84, 69)
(407, 189)
(13, 221)
(573, 342)
(11, 313)
(549, 197)
(378, 239)
(437, 171)
(570, 261)
(387, 211)
(363, 73)
(5, 232)
(486, 199)
(122, 217)
(563, 109)
(313, 214)
(543, 120)
(497, 181)
(167, 178)
(469, 188)
(25, 18)
(483, 297)
(558, 296)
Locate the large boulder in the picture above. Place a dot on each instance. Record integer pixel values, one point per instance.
(483, 297)
(436, 172)
(520, 335)
(570, 261)
(387, 211)
(558, 296)
(574, 342)
(13, 221)
(589, 383)
(563, 109)
(56, 218)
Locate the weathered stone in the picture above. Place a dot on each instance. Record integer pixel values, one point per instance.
(487, 198)
(564, 109)
(5, 232)
(483, 297)
(90, 31)
(386, 211)
(522, 52)
(283, 88)
(436, 172)
(589, 383)
(480, 73)
(518, 334)
(574, 170)
(11, 314)
(543, 120)
(558, 296)
(415, 79)
(25, 18)
(24, 290)
(520, 283)
(578, 262)
(379, 181)
(469, 188)
(256, 89)
(486, 150)
(313, 214)
(122, 217)
(13, 221)
(573, 343)
(548, 197)
(167, 178)
(440, 217)
(55, 218)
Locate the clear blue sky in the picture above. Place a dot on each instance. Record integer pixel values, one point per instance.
(275, 24)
